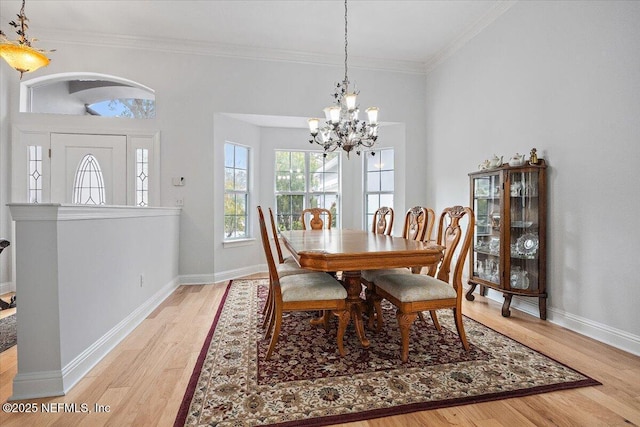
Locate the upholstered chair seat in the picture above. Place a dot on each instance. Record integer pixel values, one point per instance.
(415, 287)
(372, 275)
(308, 287)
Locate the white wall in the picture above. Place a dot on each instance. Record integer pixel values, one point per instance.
(6, 281)
(238, 258)
(101, 271)
(563, 77)
(191, 89)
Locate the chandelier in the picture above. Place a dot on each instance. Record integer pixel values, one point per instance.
(19, 53)
(342, 128)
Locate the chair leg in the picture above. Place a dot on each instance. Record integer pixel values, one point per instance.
(368, 298)
(266, 304)
(270, 319)
(457, 313)
(343, 320)
(405, 320)
(377, 304)
(374, 307)
(268, 310)
(275, 333)
(325, 320)
(434, 318)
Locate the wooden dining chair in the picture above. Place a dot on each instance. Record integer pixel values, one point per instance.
(383, 221)
(316, 221)
(414, 293)
(285, 267)
(302, 292)
(415, 226)
(416, 222)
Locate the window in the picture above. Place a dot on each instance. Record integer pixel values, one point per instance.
(379, 177)
(35, 174)
(142, 177)
(306, 180)
(87, 94)
(88, 187)
(236, 191)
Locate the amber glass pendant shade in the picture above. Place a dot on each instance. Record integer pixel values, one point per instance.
(23, 58)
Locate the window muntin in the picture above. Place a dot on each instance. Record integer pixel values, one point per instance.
(236, 191)
(379, 182)
(306, 180)
(88, 185)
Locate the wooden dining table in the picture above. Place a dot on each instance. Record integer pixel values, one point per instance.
(352, 251)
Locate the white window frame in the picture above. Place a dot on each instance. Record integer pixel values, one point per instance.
(307, 194)
(246, 192)
(368, 216)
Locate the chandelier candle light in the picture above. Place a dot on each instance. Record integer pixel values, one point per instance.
(342, 128)
(19, 53)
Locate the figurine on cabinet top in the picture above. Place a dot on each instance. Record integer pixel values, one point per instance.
(533, 160)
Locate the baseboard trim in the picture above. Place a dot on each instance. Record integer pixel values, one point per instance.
(58, 383)
(33, 385)
(223, 276)
(600, 332)
(6, 287)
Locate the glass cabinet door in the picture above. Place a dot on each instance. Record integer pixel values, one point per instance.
(523, 231)
(487, 205)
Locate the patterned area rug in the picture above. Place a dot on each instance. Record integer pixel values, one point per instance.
(8, 335)
(306, 382)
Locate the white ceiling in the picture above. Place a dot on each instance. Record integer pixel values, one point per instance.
(402, 35)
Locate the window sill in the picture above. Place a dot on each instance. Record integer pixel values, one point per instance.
(238, 242)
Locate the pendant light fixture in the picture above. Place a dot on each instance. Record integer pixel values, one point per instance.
(19, 53)
(342, 128)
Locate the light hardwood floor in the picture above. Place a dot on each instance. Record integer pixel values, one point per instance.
(144, 378)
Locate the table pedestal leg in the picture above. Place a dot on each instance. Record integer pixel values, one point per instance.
(355, 304)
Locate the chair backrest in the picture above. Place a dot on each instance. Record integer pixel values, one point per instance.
(450, 234)
(316, 222)
(266, 245)
(383, 221)
(431, 220)
(274, 231)
(415, 223)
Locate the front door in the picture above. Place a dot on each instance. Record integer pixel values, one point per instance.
(88, 169)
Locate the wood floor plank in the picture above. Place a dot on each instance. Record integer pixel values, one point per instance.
(144, 378)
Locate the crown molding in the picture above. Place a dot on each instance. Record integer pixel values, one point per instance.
(175, 46)
(464, 38)
(192, 47)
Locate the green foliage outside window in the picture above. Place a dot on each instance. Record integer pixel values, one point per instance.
(236, 197)
(305, 180)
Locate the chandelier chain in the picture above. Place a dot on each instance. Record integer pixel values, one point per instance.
(346, 41)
